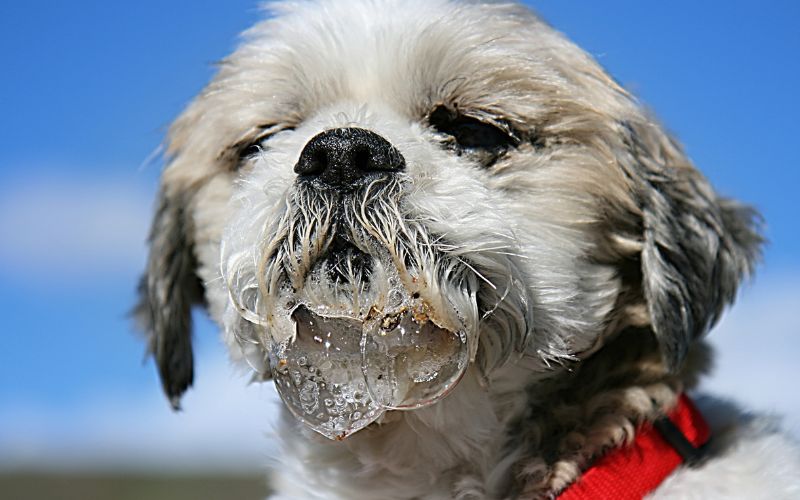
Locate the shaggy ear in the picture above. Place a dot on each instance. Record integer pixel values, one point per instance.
(167, 291)
(697, 247)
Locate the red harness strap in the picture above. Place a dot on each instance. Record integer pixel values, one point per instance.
(631, 472)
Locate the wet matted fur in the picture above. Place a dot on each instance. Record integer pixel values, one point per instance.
(589, 253)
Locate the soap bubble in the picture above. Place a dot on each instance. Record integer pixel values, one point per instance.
(318, 375)
(409, 362)
(340, 374)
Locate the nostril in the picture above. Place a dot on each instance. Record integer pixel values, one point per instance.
(318, 162)
(313, 161)
(361, 159)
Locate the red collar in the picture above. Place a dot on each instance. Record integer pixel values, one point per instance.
(633, 471)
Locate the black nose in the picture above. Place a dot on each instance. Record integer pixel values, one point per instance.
(341, 157)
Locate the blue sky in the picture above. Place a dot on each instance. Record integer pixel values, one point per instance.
(88, 90)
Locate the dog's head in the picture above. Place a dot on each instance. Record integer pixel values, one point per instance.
(373, 197)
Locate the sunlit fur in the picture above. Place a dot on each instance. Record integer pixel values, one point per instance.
(584, 264)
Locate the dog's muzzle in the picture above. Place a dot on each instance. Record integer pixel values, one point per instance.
(340, 366)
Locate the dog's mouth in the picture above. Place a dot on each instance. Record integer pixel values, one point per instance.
(339, 374)
(358, 312)
(345, 261)
(361, 344)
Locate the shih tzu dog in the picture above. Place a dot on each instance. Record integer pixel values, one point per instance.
(471, 263)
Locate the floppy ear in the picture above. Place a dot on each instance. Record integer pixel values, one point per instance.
(696, 246)
(167, 291)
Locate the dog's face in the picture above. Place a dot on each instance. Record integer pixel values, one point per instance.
(374, 198)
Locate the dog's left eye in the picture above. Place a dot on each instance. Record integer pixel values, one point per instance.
(470, 133)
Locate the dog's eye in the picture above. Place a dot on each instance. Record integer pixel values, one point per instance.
(250, 150)
(470, 133)
(250, 147)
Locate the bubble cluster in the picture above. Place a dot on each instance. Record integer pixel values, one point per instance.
(340, 374)
(318, 375)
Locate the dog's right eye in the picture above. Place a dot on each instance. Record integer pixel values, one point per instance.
(249, 147)
(470, 133)
(250, 150)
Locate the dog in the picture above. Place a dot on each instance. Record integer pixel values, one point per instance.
(472, 264)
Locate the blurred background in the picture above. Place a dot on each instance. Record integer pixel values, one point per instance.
(88, 91)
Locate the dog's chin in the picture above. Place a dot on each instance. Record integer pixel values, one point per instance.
(360, 343)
